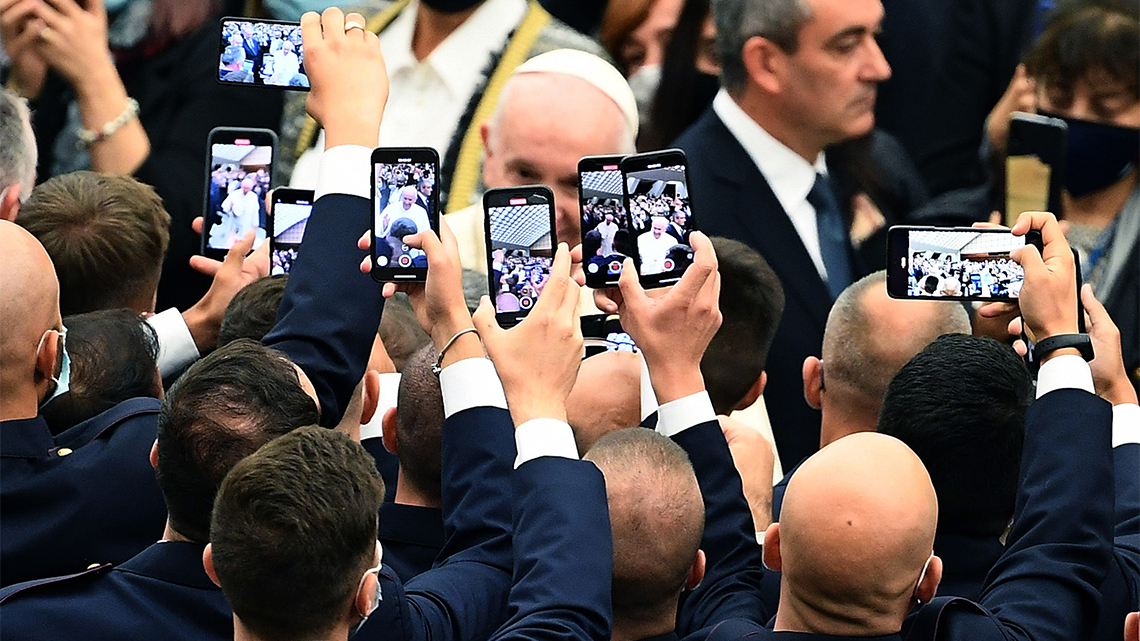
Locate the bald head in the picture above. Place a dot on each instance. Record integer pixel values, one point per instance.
(856, 528)
(657, 516)
(606, 397)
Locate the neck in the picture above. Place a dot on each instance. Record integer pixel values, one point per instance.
(841, 419)
(170, 534)
(627, 630)
(1100, 207)
(762, 110)
(433, 27)
(408, 494)
(18, 401)
(837, 619)
(242, 633)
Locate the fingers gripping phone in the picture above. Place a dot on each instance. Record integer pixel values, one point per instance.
(404, 202)
(657, 199)
(1034, 165)
(263, 53)
(239, 173)
(955, 263)
(288, 217)
(606, 237)
(519, 223)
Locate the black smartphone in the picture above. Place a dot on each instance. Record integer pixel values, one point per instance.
(955, 263)
(239, 172)
(606, 237)
(520, 248)
(264, 53)
(1035, 165)
(288, 216)
(604, 333)
(404, 202)
(657, 199)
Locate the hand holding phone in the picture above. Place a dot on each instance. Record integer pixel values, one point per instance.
(520, 230)
(955, 263)
(606, 236)
(239, 173)
(661, 219)
(404, 203)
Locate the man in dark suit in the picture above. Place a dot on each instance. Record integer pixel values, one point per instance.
(794, 82)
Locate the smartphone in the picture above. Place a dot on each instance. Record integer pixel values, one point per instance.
(606, 237)
(404, 202)
(657, 199)
(239, 172)
(288, 216)
(264, 53)
(604, 333)
(955, 263)
(1035, 165)
(520, 248)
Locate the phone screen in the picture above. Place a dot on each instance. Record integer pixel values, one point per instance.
(955, 264)
(522, 254)
(604, 333)
(240, 175)
(661, 221)
(606, 238)
(289, 221)
(262, 52)
(404, 203)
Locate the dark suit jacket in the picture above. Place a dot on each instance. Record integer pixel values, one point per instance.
(162, 593)
(86, 496)
(412, 537)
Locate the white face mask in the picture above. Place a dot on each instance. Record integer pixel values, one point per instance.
(644, 83)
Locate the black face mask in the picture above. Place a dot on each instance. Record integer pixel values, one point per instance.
(451, 6)
(1098, 156)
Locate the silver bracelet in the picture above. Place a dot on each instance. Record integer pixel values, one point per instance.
(438, 367)
(90, 137)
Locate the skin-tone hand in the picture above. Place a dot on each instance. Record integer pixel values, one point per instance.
(255, 266)
(1109, 375)
(538, 359)
(349, 83)
(20, 32)
(1020, 95)
(672, 327)
(235, 272)
(754, 459)
(866, 218)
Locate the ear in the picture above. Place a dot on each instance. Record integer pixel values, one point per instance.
(766, 63)
(371, 396)
(772, 559)
(813, 382)
(10, 203)
(928, 587)
(488, 167)
(754, 392)
(154, 455)
(208, 564)
(389, 430)
(696, 571)
(46, 356)
(365, 596)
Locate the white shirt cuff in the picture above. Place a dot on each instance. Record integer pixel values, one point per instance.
(389, 391)
(471, 382)
(176, 348)
(544, 437)
(677, 416)
(345, 169)
(648, 398)
(1125, 424)
(1067, 371)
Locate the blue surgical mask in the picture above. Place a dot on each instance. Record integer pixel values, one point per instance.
(63, 381)
(1099, 155)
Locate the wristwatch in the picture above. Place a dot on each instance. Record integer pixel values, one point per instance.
(1081, 342)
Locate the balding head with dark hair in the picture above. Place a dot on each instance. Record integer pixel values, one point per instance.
(413, 431)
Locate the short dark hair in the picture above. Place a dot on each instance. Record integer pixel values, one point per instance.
(751, 303)
(737, 21)
(960, 405)
(113, 353)
(253, 311)
(419, 423)
(400, 330)
(219, 411)
(294, 529)
(1084, 37)
(106, 235)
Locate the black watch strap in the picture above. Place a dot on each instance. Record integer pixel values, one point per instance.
(1081, 342)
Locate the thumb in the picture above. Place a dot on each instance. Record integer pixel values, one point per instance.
(484, 321)
(1030, 260)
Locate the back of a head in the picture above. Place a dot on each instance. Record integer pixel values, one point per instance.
(219, 411)
(1083, 38)
(419, 423)
(870, 336)
(253, 310)
(400, 330)
(107, 236)
(17, 145)
(293, 530)
(751, 303)
(112, 354)
(960, 405)
(28, 308)
(855, 532)
(657, 515)
(606, 397)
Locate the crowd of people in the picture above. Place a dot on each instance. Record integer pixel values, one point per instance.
(788, 453)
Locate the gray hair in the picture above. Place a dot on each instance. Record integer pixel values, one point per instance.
(17, 145)
(739, 20)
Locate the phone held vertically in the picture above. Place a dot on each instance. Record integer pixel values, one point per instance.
(288, 217)
(239, 173)
(262, 53)
(657, 199)
(606, 236)
(404, 202)
(955, 263)
(1034, 165)
(519, 223)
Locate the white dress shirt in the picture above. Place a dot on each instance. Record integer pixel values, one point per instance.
(789, 175)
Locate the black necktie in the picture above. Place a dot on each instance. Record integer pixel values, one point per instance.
(833, 243)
